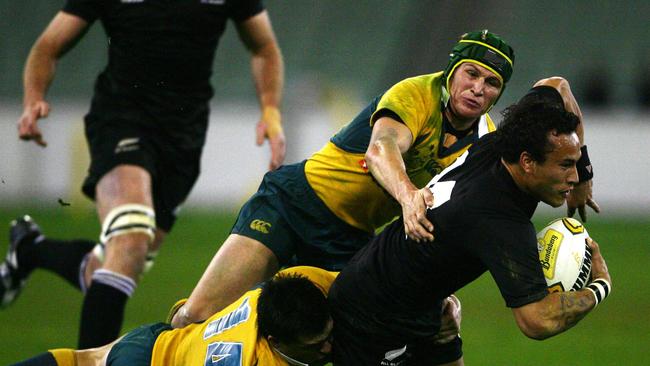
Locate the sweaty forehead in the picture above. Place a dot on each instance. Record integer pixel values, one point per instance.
(564, 146)
(469, 64)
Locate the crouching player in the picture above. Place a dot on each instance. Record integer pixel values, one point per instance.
(286, 321)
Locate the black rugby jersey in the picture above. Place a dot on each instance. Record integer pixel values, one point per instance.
(482, 223)
(165, 46)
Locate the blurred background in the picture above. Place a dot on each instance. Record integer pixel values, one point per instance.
(338, 55)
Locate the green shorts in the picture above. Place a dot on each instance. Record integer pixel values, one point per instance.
(287, 216)
(135, 348)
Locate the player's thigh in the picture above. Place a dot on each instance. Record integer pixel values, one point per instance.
(262, 219)
(124, 184)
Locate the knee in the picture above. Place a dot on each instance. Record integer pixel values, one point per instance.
(127, 237)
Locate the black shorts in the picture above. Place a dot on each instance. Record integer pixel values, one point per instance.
(120, 131)
(287, 216)
(366, 336)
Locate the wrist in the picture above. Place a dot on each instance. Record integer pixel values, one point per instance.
(271, 116)
(600, 288)
(585, 170)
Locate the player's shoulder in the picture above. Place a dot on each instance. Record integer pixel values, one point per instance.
(429, 83)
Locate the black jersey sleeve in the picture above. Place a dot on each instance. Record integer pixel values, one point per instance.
(511, 255)
(244, 9)
(88, 10)
(544, 94)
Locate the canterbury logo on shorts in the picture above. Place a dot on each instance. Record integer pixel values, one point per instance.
(260, 225)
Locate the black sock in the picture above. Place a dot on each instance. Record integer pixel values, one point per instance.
(62, 257)
(44, 359)
(101, 315)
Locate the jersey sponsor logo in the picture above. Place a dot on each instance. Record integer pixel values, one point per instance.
(260, 225)
(224, 354)
(550, 244)
(213, 2)
(128, 144)
(237, 316)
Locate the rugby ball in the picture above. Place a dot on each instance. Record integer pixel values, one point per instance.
(564, 255)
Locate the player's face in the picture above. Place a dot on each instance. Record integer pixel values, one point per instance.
(312, 351)
(473, 89)
(552, 180)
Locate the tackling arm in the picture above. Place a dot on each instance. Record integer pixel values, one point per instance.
(581, 195)
(59, 36)
(268, 74)
(389, 140)
(560, 311)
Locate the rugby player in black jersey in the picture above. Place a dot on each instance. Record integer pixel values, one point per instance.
(145, 129)
(386, 302)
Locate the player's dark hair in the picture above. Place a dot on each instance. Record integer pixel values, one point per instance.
(525, 127)
(291, 307)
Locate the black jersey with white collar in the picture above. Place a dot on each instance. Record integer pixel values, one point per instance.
(482, 223)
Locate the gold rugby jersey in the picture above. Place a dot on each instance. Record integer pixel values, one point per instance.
(338, 172)
(229, 337)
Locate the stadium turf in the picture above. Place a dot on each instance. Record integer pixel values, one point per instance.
(46, 314)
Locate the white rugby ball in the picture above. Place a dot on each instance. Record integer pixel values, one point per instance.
(564, 255)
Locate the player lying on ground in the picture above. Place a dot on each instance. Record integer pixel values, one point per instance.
(386, 301)
(287, 321)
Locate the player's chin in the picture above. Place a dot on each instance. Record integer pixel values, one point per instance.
(555, 201)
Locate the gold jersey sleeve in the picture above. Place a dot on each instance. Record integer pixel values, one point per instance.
(340, 177)
(228, 338)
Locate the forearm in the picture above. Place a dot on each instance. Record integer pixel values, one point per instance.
(570, 102)
(268, 74)
(38, 74)
(386, 165)
(556, 313)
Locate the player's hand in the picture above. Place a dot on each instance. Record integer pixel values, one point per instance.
(598, 265)
(450, 321)
(414, 211)
(270, 127)
(179, 318)
(579, 197)
(28, 123)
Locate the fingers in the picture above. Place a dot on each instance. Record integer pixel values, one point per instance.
(278, 152)
(416, 231)
(260, 133)
(28, 123)
(427, 196)
(591, 203)
(583, 213)
(570, 211)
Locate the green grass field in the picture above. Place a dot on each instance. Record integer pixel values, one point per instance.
(47, 313)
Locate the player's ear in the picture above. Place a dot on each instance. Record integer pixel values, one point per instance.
(527, 162)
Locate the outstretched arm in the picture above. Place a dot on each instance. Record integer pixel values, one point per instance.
(560, 311)
(59, 36)
(268, 74)
(581, 195)
(390, 139)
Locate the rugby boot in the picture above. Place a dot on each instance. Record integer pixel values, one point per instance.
(13, 276)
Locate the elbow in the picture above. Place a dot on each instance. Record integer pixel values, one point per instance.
(536, 333)
(557, 82)
(535, 327)
(372, 154)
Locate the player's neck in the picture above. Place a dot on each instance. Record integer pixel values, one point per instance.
(457, 122)
(517, 175)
